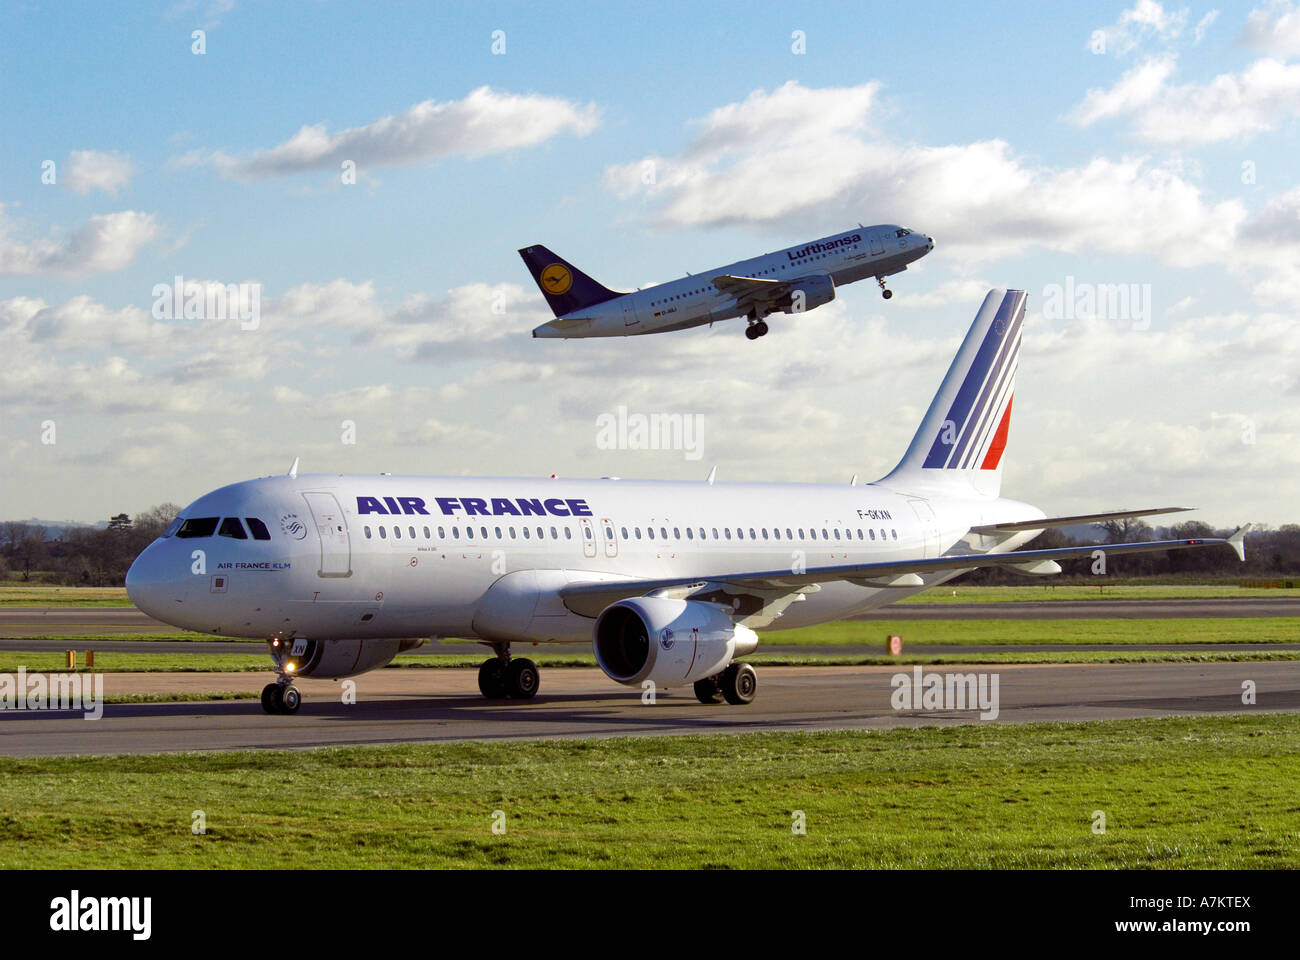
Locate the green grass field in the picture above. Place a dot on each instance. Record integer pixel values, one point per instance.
(44, 595)
(923, 632)
(1204, 792)
(1102, 591)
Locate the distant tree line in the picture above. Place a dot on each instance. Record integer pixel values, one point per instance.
(99, 557)
(80, 556)
(1270, 554)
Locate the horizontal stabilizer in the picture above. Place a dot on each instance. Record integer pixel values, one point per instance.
(1049, 522)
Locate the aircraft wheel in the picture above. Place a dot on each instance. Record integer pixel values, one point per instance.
(761, 327)
(739, 684)
(751, 332)
(708, 691)
(522, 679)
(290, 699)
(272, 701)
(492, 679)
(886, 293)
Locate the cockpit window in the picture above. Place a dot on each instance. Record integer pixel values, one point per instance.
(173, 527)
(902, 233)
(198, 527)
(231, 527)
(258, 528)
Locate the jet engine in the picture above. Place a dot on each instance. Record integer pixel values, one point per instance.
(806, 293)
(670, 642)
(331, 659)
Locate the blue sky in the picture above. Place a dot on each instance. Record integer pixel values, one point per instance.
(1032, 152)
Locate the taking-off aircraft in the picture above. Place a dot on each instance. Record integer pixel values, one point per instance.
(792, 280)
(669, 581)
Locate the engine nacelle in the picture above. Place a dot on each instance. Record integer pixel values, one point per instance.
(331, 659)
(806, 293)
(671, 642)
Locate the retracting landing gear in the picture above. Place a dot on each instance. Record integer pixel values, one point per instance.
(738, 684)
(501, 676)
(884, 291)
(757, 326)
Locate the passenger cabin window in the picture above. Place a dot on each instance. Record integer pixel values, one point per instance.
(258, 529)
(368, 533)
(198, 527)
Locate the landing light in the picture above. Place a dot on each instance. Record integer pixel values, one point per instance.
(289, 667)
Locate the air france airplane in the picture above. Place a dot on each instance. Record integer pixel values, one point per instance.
(791, 281)
(668, 581)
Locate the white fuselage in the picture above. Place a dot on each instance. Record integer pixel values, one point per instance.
(386, 556)
(877, 251)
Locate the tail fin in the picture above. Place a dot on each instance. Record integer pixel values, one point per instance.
(961, 440)
(565, 287)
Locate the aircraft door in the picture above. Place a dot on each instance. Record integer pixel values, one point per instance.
(929, 526)
(629, 312)
(877, 244)
(332, 527)
(611, 537)
(588, 537)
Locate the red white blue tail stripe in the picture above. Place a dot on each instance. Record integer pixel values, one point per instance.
(973, 433)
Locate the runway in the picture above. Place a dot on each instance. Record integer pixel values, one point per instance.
(440, 705)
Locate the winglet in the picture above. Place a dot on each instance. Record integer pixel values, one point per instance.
(293, 470)
(854, 481)
(1238, 541)
(712, 473)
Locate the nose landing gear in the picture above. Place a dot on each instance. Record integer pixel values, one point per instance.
(281, 697)
(884, 291)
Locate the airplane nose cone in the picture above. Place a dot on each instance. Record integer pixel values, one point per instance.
(158, 581)
(929, 243)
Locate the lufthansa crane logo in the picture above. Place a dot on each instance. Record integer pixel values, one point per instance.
(557, 279)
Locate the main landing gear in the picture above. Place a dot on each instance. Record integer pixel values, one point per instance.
(281, 697)
(738, 684)
(501, 676)
(757, 327)
(884, 291)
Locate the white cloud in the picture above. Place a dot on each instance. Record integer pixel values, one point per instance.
(1274, 30)
(89, 170)
(1232, 106)
(980, 200)
(1146, 20)
(485, 122)
(1204, 25)
(105, 242)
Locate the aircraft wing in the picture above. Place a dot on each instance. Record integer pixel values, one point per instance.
(750, 290)
(758, 597)
(1048, 522)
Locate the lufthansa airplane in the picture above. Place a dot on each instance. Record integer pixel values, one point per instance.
(669, 581)
(790, 281)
